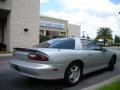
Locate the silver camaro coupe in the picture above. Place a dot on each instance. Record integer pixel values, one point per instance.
(62, 58)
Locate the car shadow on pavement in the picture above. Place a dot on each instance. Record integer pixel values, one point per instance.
(27, 83)
(95, 73)
(37, 84)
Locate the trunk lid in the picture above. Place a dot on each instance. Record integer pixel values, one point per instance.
(22, 53)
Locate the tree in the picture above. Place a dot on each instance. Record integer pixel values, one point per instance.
(104, 33)
(117, 40)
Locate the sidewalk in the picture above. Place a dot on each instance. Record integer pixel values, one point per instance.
(96, 86)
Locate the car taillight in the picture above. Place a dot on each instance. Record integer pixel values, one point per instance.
(37, 57)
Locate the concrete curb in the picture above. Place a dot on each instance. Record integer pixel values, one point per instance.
(5, 55)
(94, 87)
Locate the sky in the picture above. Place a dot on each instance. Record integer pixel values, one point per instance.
(89, 14)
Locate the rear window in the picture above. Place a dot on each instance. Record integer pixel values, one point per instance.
(65, 43)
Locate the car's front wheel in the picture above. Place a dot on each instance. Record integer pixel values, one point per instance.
(73, 74)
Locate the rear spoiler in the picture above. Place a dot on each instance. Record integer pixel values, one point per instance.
(25, 50)
(29, 51)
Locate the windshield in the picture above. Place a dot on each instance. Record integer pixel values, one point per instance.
(64, 43)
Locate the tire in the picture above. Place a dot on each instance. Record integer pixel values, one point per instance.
(73, 74)
(112, 63)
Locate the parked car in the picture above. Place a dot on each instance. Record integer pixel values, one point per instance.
(62, 58)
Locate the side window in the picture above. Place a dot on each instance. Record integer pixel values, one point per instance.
(94, 46)
(85, 43)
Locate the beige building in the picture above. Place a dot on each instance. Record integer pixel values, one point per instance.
(73, 30)
(51, 27)
(19, 23)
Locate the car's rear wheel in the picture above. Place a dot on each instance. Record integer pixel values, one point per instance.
(73, 74)
(112, 63)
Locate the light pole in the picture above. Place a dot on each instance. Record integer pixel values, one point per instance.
(83, 36)
(88, 36)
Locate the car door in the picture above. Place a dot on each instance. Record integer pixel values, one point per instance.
(94, 56)
(97, 54)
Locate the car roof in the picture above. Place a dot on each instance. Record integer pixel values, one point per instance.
(62, 38)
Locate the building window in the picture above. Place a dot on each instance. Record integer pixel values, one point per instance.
(52, 33)
(63, 34)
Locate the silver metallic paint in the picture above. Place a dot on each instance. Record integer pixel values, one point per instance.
(60, 59)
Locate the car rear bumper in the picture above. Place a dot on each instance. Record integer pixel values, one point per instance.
(36, 70)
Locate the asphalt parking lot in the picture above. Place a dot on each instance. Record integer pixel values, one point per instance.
(10, 80)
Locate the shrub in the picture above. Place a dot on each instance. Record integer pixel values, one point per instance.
(44, 38)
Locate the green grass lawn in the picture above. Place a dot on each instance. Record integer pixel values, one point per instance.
(113, 86)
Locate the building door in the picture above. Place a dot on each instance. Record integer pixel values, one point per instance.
(52, 34)
(1, 31)
(3, 20)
